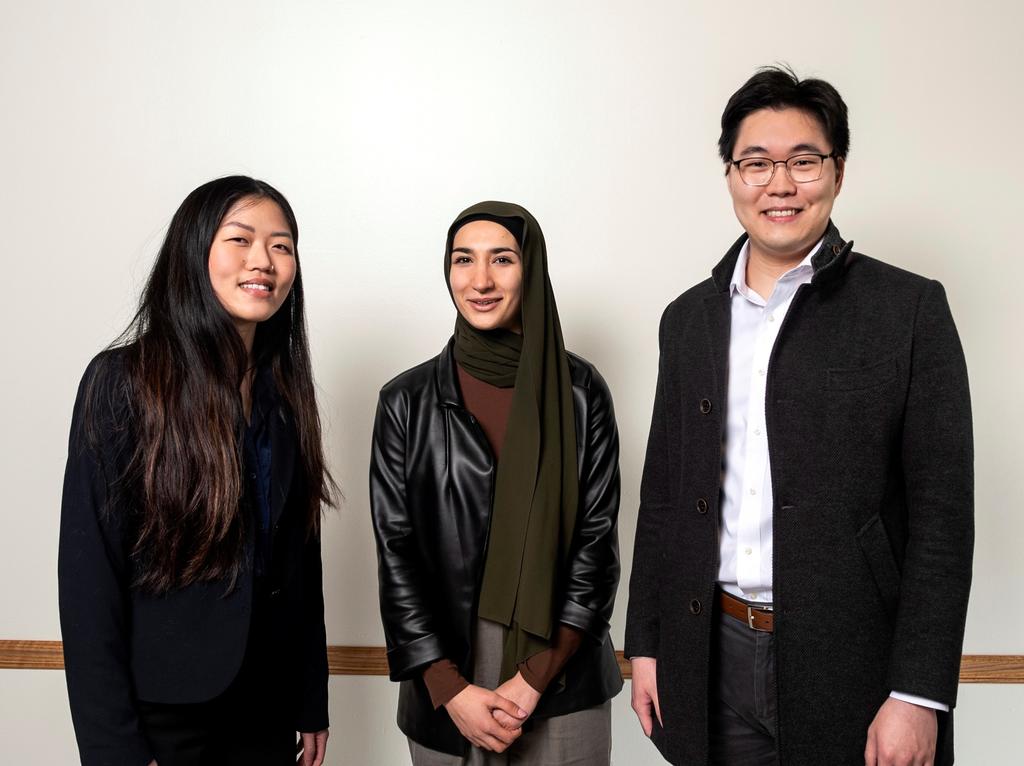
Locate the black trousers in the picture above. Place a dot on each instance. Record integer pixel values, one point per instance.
(222, 732)
(250, 724)
(743, 710)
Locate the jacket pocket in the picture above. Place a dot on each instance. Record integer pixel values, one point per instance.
(853, 379)
(874, 544)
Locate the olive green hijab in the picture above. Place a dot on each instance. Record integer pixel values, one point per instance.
(536, 492)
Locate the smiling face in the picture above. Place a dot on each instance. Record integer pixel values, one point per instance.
(486, 276)
(784, 220)
(252, 263)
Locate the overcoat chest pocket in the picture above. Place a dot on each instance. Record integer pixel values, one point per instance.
(858, 378)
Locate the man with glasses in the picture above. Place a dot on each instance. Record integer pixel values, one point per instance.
(803, 548)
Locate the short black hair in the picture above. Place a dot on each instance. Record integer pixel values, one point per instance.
(778, 87)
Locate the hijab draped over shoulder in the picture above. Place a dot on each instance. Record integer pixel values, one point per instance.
(536, 492)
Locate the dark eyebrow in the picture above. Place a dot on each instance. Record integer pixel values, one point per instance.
(249, 228)
(760, 151)
(806, 148)
(494, 251)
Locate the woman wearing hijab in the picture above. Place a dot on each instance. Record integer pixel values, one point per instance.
(494, 490)
(189, 571)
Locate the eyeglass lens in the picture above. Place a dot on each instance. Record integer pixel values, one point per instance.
(802, 168)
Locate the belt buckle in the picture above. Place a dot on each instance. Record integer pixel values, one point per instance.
(751, 610)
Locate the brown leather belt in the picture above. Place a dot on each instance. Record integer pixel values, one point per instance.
(754, 617)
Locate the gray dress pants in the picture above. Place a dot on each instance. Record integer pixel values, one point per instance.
(583, 738)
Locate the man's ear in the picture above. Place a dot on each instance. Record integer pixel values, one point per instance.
(840, 173)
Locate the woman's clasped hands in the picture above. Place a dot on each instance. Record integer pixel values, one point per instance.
(493, 720)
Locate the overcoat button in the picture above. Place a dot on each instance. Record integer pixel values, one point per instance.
(837, 249)
(705, 406)
(695, 607)
(702, 505)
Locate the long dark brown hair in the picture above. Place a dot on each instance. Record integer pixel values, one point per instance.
(184, 362)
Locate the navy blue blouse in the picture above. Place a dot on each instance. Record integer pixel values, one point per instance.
(257, 461)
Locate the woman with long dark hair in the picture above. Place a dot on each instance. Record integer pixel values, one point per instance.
(191, 597)
(494, 487)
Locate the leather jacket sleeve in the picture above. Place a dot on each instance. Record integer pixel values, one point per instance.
(593, 570)
(409, 630)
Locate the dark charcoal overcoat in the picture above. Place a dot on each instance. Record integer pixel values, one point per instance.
(869, 433)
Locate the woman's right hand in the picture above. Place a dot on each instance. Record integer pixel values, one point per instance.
(471, 711)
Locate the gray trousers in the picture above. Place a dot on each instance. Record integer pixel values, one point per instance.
(583, 738)
(743, 696)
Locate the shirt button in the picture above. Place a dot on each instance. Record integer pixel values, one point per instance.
(771, 317)
(757, 432)
(747, 551)
(760, 372)
(753, 491)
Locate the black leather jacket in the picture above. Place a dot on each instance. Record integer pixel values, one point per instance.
(431, 488)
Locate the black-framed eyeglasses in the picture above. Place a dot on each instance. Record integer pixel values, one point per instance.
(801, 168)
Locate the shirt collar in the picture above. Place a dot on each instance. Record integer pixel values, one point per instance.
(739, 273)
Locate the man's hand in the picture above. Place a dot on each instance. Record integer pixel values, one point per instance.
(314, 747)
(645, 692)
(520, 692)
(902, 734)
(472, 711)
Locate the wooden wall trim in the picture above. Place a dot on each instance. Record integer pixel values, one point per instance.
(357, 661)
(32, 655)
(992, 669)
(371, 661)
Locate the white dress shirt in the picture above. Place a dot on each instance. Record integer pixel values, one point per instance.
(745, 568)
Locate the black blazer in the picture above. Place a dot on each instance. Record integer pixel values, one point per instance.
(122, 645)
(869, 431)
(431, 486)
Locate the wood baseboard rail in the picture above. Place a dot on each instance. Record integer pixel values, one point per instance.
(371, 661)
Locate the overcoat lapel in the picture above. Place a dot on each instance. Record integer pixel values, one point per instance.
(718, 319)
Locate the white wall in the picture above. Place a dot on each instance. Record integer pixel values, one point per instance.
(381, 120)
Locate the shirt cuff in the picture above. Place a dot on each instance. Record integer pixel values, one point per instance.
(922, 701)
(543, 668)
(443, 681)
